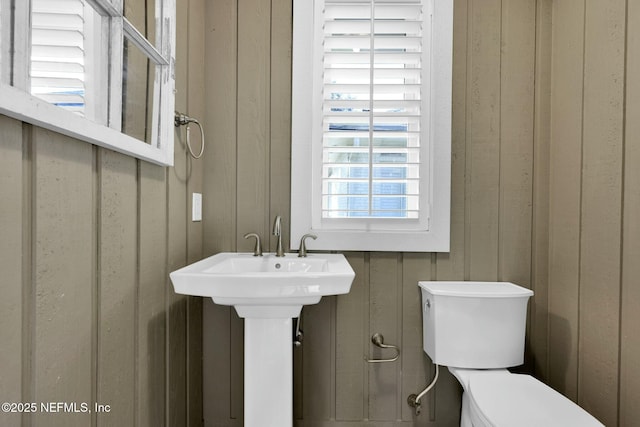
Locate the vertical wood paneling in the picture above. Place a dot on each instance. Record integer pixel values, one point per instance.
(236, 346)
(176, 304)
(219, 203)
(601, 208)
(91, 257)
(451, 266)
(253, 127)
(565, 194)
(383, 318)
(177, 246)
(220, 175)
(317, 372)
(416, 368)
(516, 143)
(64, 265)
(280, 113)
(517, 68)
(483, 140)
(538, 351)
(351, 313)
(151, 354)
(216, 354)
(117, 285)
(12, 221)
(196, 107)
(630, 307)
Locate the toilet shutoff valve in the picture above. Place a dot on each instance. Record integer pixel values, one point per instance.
(413, 401)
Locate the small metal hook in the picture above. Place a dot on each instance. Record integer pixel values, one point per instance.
(378, 340)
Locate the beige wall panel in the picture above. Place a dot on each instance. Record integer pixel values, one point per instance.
(280, 114)
(630, 316)
(222, 338)
(117, 286)
(384, 318)
(298, 382)
(564, 194)
(177, 304)
(64, 263)
(178, 201)
(451, 266)
(216, 393)
(178, 222)
(12, 221)
(601, 209)
(351, 331)
(516, 140)
(319, 370)
(416, 366)
(196, 108)
(151, 354)
(237, 364)
(539, 313)
(219, 198)
(253, 127)
(217, 353)
(516, 144)
(448, 402)
(483, 140)
(194, 362)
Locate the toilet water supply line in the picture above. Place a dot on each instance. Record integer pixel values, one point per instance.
(181, 119)
(414, 400)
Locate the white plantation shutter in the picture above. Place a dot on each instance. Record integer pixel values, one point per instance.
(58, 53)
(371, 124)
(374, 92)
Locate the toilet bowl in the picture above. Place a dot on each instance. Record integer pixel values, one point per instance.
(477, 330)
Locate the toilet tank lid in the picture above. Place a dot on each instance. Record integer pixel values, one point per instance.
(476, 289)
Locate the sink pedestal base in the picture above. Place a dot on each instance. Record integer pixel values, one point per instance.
(268, 372)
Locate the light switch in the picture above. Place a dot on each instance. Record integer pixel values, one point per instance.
(196, 207)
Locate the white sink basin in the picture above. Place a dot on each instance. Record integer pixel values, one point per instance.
(267, 286)
(267, 291)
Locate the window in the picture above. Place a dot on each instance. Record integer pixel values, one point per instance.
(371, 124)
(82, 68)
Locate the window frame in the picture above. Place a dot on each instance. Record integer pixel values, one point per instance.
(307, 122)
(17, 102)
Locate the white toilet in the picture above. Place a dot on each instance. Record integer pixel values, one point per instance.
(477, 330)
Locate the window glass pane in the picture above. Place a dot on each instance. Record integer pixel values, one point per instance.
(67, 58)
(138, 94)
(142, 15)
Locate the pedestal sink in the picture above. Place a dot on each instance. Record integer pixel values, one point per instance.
(267, 291)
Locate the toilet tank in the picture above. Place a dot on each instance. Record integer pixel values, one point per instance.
(476, 325)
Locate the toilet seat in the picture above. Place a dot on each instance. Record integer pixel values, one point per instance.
(520, 400)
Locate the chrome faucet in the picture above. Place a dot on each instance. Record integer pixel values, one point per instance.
(257, 251)
(277, 231)
(303, 246)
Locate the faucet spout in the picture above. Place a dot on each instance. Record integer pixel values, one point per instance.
(277, 231)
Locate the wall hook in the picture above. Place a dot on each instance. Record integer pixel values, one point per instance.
(378, 340)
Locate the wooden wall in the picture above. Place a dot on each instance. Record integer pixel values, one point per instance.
(594, 204)
(500, 157)
(87, 238)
